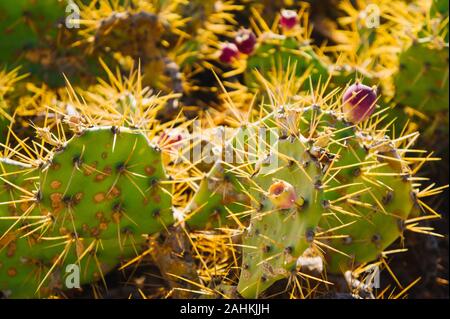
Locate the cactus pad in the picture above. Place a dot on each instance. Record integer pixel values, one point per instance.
(107, 182)
(276, 236)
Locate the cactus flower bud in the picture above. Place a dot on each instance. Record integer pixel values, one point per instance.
(283, 196)
(289, 19)
(359, 102)
(228, 52)
(245, 41)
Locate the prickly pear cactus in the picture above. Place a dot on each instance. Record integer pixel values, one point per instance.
(105, 182)
(375, 196)
(331, 177)
(283, 48)
(91, 206)
(311, 182)
(288, 193)
(277, 48)
(370, 195)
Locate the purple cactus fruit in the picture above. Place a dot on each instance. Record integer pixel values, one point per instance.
(358, 102)
(245, 41)
(289, 19)
(228, 52)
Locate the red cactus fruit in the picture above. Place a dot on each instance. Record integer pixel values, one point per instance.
(245, 41)
(228, 52)
(289, 19)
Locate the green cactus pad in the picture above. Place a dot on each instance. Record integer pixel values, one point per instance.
(95, 258)
(107, 182)
(421, 81)
(375, 215)
(373, 171)
(217, 198)
(20, 274)
(277, 237)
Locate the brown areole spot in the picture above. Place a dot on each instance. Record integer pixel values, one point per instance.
(116, 216)
(149, 170)
(99, 197)
(78, 197)
(56, 199)
(55, 184)
(100, 177)
(12, 272)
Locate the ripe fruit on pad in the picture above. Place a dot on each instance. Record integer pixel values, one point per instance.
(245, 41)
(289, 19)
(358, 102)
(228, 52)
